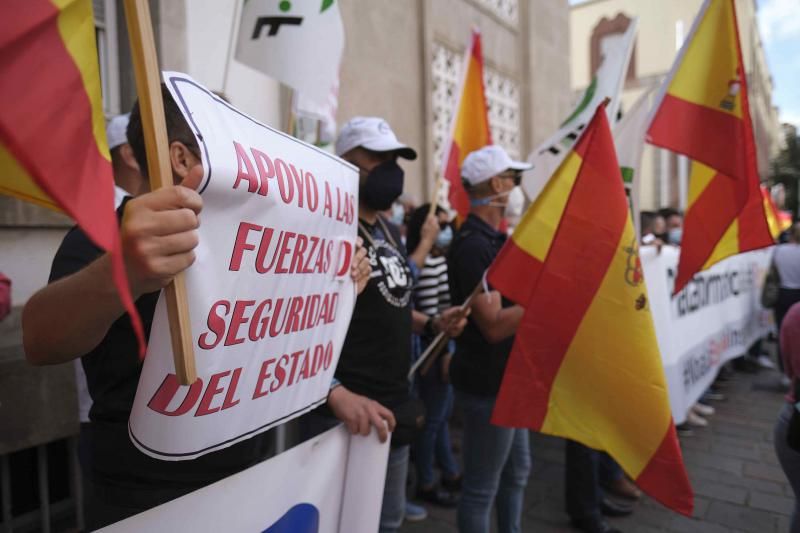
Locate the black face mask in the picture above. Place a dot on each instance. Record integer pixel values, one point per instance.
(382, 186)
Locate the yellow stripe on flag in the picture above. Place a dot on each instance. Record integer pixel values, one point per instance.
(711, 57)
(603, 374)
(727, 246)
(76, 26)
(17, 182)
(535, 232)
(700, 176)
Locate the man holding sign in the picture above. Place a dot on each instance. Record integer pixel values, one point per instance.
(159, 234)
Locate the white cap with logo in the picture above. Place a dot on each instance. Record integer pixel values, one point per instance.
(488, 162)
(372, 133)
(116, 130)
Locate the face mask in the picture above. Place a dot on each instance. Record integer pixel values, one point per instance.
(444, 238)
(398, 214)
(675, 236)
(488, 200)
(383, 185)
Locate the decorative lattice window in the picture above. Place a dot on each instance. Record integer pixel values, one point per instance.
(507, 10)
(502, 96)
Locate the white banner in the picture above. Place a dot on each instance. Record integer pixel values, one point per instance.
(331, 483)
(714, 319)
(270, 295)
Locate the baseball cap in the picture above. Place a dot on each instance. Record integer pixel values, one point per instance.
(115, 130)
(372, 133)
(488, 161)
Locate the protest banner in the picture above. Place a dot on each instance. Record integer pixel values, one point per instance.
(333, 482)
(715, 318)
(270, 293)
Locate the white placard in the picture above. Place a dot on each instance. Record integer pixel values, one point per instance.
(270, 295)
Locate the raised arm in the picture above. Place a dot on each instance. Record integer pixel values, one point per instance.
(495, 322)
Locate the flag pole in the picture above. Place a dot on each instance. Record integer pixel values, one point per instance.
(151, 107)
(231, 44)
(435, 200)
(435, 348)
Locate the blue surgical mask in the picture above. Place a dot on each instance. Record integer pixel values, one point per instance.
(675, 236)
(475, 202)
(398, 214)
(444, 238)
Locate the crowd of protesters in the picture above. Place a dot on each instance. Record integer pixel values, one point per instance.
(414, 269)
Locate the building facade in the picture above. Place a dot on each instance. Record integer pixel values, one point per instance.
(402, 61)
(663, 26)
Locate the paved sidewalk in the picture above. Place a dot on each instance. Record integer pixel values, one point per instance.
(738, 483)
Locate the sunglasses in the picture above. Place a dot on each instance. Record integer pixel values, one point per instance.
(516, 176)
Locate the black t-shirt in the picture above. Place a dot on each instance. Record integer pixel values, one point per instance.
(478, 366)
(377, 350)
(112, 374)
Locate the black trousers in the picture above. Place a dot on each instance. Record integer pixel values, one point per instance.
(585, 470)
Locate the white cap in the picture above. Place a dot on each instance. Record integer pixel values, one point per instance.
(372, 133)
(487, 162)
(116, 130)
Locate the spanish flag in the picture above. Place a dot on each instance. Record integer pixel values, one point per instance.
(777, 220)
(470, 129)
(704, 114)
(53, 148)
(585, 363)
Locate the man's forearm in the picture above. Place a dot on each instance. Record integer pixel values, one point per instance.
(69, 317)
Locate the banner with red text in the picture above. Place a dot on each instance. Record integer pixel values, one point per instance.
(270, 295)
(331, 483)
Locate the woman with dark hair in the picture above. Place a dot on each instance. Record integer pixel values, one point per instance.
(432, 296)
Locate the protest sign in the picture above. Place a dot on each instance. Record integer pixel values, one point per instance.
(333, 482)
(715, 318)
(270, 295)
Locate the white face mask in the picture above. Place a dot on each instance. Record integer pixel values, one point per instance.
(488, 200)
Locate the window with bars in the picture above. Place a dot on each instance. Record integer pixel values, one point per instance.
(106, 37)
(502, 97)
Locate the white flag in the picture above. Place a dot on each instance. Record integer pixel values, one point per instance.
(324, 112)
(297, 43)
(629, 140)
(606, 83)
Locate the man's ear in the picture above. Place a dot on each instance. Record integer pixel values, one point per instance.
(181, 159)
(126, 152)
(496, 184)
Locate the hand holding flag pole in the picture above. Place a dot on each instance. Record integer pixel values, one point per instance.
(431, 354)
(148, 85)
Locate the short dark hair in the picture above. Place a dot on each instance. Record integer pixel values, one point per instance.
(647, 220)
(177, 129)
(667, 212)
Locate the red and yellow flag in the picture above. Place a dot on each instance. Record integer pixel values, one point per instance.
(705, 115)
(585, 363)
(53, 148)
(778, 221)
(470, 130)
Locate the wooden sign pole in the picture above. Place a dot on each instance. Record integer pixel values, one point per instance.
(151, 107)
